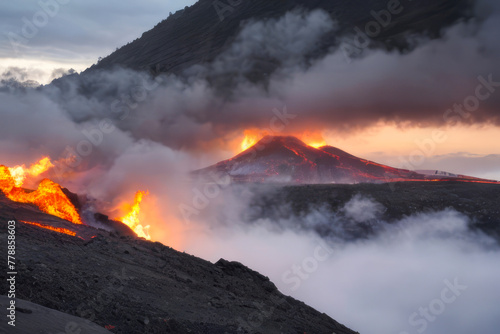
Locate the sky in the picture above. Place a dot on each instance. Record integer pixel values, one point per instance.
(75, 34)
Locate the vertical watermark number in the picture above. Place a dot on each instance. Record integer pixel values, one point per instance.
(11, 272)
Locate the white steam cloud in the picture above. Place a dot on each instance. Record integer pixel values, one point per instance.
(425, 273)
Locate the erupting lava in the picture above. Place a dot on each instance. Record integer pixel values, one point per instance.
(19, 173)
(250, 139)
(52, 228)
(252, 136)
(132, 218)
(49, 196)
(313, 139)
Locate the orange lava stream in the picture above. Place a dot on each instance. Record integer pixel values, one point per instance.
(52, 228)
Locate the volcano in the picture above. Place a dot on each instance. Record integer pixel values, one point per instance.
(286, 159)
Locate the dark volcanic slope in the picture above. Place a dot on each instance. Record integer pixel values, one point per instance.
(32, 318)
(197, 34)
(144, 287)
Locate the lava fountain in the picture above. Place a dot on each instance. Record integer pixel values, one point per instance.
(131, 219)
(48, 197)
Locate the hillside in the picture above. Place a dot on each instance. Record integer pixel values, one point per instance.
(198, 34)
(130, 285)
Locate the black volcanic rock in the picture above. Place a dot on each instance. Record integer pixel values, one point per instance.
(115, 226)
(286, 159)
(197, 34)
(32, 318)
(131, 285)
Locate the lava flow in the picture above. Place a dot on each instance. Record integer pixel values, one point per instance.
(49, 196)
(132, 218)
(52, 228)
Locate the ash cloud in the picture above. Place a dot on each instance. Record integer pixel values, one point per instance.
(190, 112)
(423, 87)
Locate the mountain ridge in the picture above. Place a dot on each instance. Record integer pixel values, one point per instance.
(199, 33)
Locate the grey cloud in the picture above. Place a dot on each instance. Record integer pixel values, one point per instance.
(188, 112)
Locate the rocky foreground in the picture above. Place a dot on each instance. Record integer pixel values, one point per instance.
(128, 285)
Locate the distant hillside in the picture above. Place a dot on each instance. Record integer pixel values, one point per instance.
(199, 33)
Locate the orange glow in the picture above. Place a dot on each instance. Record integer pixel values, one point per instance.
(317, 144)
(52, 228)
(49, 197)
(251, 138)
(313, 139)
(19, 173)
(132, 218)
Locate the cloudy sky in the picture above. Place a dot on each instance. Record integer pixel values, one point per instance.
(366, 107)
(75, 34)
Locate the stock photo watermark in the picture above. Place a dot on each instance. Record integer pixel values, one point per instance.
(121, 108)
(31, 26)
(11, 272)
(256, 318)
(421, 318)
(426, 147)
(293, 277)
(362, 38)
(299, 273)
(222, 8)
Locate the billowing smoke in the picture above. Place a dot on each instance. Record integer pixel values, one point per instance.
(195, 111)
(423, 273)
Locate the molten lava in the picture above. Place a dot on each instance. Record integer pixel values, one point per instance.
(132, 218)
(250, 139)
(49, 196)
(52, 228)
(313, 139)
(19, 173)
(252, 136)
